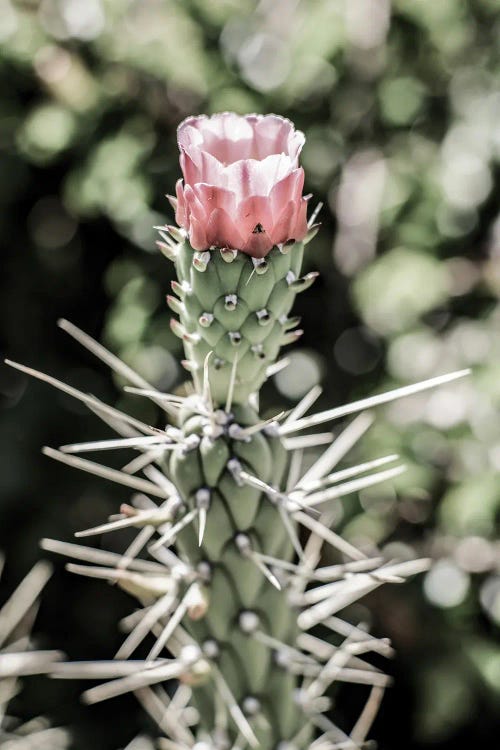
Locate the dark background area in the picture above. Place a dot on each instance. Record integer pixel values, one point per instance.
(400, 105)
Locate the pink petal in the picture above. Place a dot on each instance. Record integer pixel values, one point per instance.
(221, 230)
(254, 212)
(211, 196)
(299, 230)
(257, 244)
(282, 230)
(197, 234)
(252, 177)
(286, 189)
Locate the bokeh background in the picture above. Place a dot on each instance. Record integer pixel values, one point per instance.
(400, 104)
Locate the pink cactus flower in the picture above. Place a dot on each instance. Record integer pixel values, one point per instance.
(242, 186)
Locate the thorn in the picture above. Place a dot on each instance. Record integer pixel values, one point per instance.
(260, 265)
(230, 302)
(175, 304)
(311, 234)
(263, 317)
(202, 520)
(114, 475)
(300, 285)
(190, 365)
(372, 401)
(177, 233)
(314, 215)
(168, 537)
(180, 289)
(206, 319)
(285, 247)
(203, 504)
(258, 350)
(228, 254)
(173, 201)
(291, 337)
(201, 260)
(191, 338)
(232, 383)
(244, 546)
(177, 328)
(289, 323)
(167, 250)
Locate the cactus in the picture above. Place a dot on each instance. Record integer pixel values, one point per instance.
(235, 605)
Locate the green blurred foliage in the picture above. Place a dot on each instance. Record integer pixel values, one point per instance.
(400, 105)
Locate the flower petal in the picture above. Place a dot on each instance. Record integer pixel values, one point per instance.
(254, 212)
(257, 244)
(286, 189)
(221, 230)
